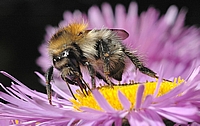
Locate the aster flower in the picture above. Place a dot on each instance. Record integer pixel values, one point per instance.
(146, 103)
(135, 105)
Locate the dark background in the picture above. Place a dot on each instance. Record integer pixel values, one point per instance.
(23, 22)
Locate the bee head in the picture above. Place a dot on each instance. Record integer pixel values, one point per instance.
(64, 54)
(67, 57)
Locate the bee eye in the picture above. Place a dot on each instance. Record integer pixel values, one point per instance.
(65, 54)
(80, 33)
(56, 59)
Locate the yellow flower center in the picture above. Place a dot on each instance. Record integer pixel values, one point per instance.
(128, 90)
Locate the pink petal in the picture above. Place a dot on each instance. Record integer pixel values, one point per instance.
(108, 15)
(102, 101)
(95, 17)
(124, 101)
(139, 96)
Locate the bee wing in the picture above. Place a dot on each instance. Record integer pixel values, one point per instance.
(121, 33)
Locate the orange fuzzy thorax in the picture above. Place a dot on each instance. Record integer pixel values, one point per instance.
(73, 33)
(75, 28)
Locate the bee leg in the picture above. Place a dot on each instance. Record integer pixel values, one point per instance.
(103, 78)
(105, 55)
(67, 82)
(85, 84)
(77, 77)
(83, 89)
(48, 77)
(139, 64)
(92, 74)
(81, 83)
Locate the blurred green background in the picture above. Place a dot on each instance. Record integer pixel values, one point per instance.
(23, 22)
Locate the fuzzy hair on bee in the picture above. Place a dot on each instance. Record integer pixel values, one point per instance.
(101, 51)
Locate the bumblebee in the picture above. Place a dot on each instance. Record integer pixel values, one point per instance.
(101, 51)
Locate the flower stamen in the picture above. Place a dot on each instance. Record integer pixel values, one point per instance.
(129, 90)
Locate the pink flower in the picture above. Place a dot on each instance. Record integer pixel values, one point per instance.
(29, 107)
(171, 50)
